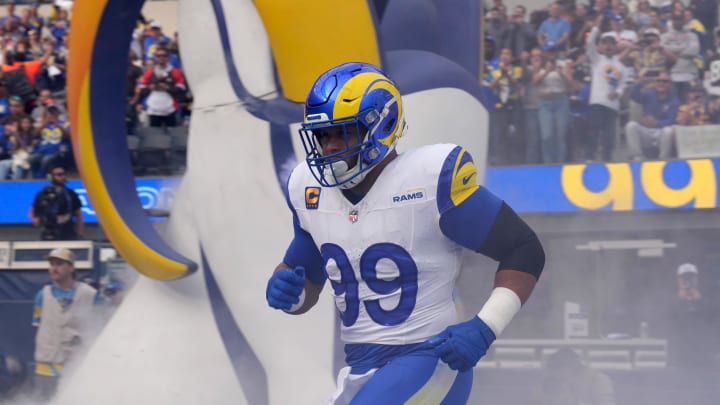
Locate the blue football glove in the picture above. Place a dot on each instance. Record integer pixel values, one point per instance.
(285, 287)
(462, 345)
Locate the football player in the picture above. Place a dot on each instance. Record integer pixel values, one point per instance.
(387, 231)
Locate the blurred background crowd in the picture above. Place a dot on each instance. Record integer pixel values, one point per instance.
(603, 80)
(34, 127)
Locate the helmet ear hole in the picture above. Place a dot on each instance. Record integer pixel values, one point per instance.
(389, 125)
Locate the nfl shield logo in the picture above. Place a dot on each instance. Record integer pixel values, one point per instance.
(353, 216)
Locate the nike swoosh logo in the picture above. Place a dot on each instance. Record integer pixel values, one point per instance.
(467, 178)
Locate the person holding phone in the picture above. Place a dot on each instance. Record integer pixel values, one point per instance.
(649, 55)
(654, 129)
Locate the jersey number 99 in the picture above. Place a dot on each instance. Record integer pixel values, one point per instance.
(406, 282)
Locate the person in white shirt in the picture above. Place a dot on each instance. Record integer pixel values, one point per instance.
(607, 86)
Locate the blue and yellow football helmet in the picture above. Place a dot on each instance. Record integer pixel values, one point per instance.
(357, 95)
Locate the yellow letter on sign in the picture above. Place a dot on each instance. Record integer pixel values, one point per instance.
(701, 187)
(618, 192)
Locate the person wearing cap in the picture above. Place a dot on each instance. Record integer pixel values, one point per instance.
(607, 86)
(624, 38)
(693, 328)
(153, 38)
(62, 315)
(684, 44)
(647, 54)
(654, 129)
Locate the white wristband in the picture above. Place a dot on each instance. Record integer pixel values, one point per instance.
(300, 303)
(500, 309)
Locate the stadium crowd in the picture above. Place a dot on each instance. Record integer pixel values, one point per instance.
(605, 80)
(599, 81)
(34, 127)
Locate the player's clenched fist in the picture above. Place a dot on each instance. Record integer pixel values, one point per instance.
(285, 288)
(461, 346)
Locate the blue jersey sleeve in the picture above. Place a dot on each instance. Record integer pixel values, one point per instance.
(467, 210)
(303, 251)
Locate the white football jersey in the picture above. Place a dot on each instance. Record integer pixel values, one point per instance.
(391, 269)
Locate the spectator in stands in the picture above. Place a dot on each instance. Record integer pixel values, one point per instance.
(17, 109)
(9, 14)
(22, 50)
(14, 152)
(581, 25)
(174, 47)
(132, 91)
(707, 12)
(52, 74)
(154, 37)
(693, 327)
(665, 16)
(697, 28)
(714, 106)
(642, 15)
(505, 144)
(580, 127)
(567, 381)
(654, 129)
(553, 86)
(530, 105)
(164, 85)
(57, 209)
(35, 18)
(648, 55)
(54, 144)
(608, 84)
(60, 26)
(63, 316)
(686, 47)
(696, 111)
(20, 76)
(4, 100)
(496, 28)
(624, 37)
(44, 100)
(601, 7)
(35, 47)
(656, 22)
(554, 31)
(521, 34)
(28, 21)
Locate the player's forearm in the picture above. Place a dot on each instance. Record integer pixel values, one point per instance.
(520, 282)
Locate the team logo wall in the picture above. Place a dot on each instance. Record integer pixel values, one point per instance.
(312, 197)
(409, 195)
